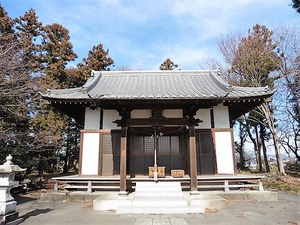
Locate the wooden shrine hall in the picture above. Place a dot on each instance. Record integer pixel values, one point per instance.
(159, 124)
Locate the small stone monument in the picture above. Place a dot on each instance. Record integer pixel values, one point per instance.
(7, 182)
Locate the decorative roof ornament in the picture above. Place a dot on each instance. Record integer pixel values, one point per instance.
(229, 88)
(267, 89)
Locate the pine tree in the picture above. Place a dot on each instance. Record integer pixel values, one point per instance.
(97, 60)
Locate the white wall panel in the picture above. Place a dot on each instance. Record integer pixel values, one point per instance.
(108, 117)
(92, 119)
(172, 113)
(90, 154)
(224, 155)
(221, 116)
(204, 115)
(143, 113)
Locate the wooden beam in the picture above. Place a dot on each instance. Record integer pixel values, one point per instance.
(123, 154)
(158, 122)
(193, 160)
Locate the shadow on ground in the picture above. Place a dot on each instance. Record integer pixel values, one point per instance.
(36, 212)
(24, 199)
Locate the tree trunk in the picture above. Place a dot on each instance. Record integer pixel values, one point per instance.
(254, 145)
(265, 108)
(41, 167)
(259, 144)
(262, 137)
(241, 145)
(66, 163)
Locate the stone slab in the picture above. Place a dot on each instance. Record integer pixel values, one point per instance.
(111, 202)
(206, 200)
(69, 196)
(158, 189)
(54, 197)
(159, 202)
(160, 210)
(158, 194)
(250, 195)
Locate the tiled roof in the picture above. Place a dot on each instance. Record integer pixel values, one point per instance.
(156, 85)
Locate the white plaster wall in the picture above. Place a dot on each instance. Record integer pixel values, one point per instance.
(141, 113)
(224, 155)
(90, 154)
(108, 117)
(172, 113)
(92, 118)
(204, 115)
(221, 116)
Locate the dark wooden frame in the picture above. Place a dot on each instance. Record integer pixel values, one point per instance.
(213, 150)
(100, 159)
(214, 130)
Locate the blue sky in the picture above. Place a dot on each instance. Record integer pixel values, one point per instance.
(141, 34)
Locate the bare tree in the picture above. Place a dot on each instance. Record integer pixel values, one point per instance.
(253, 58)
(289, 88)
(15, 83)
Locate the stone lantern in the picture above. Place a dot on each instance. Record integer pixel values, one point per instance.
(7, 182)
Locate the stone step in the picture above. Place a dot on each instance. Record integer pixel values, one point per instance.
(158, 184)
(160, 210)
(158, 194)
(132, 204)
(158, 189)
(159, 202)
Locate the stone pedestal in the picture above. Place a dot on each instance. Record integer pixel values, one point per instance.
(8, 205)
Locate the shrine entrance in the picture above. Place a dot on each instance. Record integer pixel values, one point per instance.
(171, 149)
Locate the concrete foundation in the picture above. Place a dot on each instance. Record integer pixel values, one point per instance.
(143, 202)
(158, 198)
(69, 196)
(250, 195)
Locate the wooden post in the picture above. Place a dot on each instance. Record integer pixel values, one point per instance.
(193, 160)
(89, 189)
(226, 186)
(123, 160)
(55, 189)
(260, 187)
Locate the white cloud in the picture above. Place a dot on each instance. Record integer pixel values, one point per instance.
(141, 34)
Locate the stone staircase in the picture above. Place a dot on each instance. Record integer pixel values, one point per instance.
(158, 198)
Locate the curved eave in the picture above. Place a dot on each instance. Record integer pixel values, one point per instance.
(135, 101)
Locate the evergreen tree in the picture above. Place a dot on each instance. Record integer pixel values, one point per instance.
(56, 51)
(29, 34)
(97, 59)
(50, 125)
(34, 58)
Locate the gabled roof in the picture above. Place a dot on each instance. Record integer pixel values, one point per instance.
(164, 85)
(157, 89)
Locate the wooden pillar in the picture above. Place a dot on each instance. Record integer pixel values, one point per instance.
(123, 159)
(193, 160)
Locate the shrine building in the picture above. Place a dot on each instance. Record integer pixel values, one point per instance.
(179, 121)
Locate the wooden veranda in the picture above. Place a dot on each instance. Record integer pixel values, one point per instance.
(225, 183)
